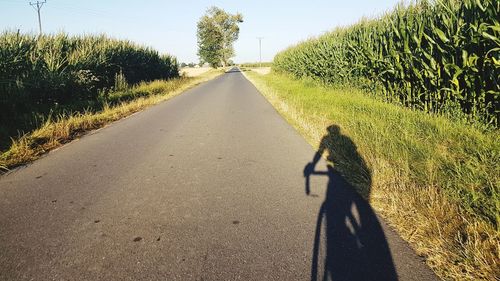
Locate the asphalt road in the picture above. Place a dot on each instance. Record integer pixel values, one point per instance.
(206, 186)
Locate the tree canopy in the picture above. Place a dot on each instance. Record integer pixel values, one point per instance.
(217, 31)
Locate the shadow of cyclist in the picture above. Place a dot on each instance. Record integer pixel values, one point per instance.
(347, 229)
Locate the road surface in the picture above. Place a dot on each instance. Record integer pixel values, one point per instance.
(206, 186)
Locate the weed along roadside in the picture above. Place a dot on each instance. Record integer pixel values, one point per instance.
(434, 180)
(58, 131)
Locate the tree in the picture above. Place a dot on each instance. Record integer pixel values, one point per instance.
(217, 31)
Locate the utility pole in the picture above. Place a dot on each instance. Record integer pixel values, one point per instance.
(260, 50)
(38, 6)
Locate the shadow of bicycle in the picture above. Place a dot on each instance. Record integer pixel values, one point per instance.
(349, 242)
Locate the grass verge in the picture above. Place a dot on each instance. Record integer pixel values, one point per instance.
(435, 181)
(68, 127)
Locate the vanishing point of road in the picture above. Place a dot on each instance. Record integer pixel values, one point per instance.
(206, 186)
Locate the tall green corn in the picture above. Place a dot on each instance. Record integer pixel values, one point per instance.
(38, 73)
(435, 56)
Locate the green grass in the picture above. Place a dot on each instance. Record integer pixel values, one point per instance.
(66, 127)
(435, 180)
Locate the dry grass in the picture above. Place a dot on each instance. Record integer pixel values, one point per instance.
(261, 70)
(194, 71)
(421, 166)
(66, 128)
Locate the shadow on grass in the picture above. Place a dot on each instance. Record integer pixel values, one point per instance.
(349, 242)
(25, 116)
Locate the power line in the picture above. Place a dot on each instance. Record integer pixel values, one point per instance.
(260, 50)
(38, 6)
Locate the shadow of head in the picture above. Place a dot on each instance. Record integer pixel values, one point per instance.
(344, 155)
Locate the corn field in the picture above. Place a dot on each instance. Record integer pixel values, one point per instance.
(39, 75)
(440, 56)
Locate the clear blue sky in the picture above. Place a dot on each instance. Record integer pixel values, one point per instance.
(170, 26)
